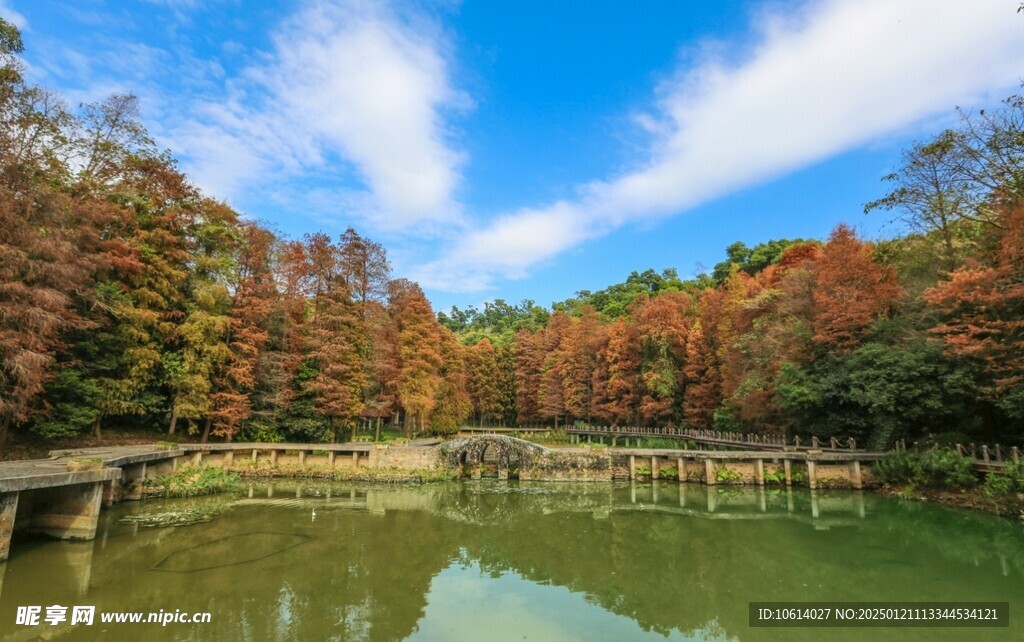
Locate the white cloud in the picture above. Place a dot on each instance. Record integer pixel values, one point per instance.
(348, 84)
(10, 15)
(837, 75)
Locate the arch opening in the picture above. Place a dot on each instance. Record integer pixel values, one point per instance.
(490, 461)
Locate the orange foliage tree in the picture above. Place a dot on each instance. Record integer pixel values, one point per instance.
(850, 291)
(983, 309)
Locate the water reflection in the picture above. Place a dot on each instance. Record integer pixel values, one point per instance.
(507, 560)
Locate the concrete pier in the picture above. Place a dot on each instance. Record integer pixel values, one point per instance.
(710, 478)
(8, 511)
(67, 512)
(52, 502)
(61, 496)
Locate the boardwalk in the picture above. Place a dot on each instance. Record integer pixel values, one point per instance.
(984, 458)
(61, 496)
(745, 441)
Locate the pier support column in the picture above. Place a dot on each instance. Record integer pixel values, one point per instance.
(787, 466)
(111, 493)
(759, 472)
(229, 459)
(302, 458)
(67, 512)
(632, 466)
(681, 469)
(8, 510)
(197, 458)
(858, 505)
(502, 473)
(655, 468)
(273, 457)
(855, 477)
(476, 472)
(355, 459)
(709, 472)
(812, 474)
(131, 481)
(330, 460)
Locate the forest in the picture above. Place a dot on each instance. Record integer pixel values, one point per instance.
(131, 300)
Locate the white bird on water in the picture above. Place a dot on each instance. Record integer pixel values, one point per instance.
(314, 516)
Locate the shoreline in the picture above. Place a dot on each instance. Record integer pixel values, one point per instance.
(973, 499)
(1010, 507)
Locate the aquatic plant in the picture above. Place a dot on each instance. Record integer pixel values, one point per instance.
(189, 481)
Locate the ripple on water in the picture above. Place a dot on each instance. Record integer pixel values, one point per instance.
(230, 551)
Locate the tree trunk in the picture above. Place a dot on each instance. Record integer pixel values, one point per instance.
(376, 437)
(97, 430)
(354, 426)
(174, 420)
(5, 426)
(334, 437)
(947, 237)
(206, 430)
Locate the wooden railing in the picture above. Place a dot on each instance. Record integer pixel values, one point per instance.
(995, 456)
(722, 438)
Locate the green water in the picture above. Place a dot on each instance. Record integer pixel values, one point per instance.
(508, 561)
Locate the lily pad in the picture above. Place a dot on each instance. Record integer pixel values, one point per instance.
(185, 517)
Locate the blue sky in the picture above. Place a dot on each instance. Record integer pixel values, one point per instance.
(529, 149)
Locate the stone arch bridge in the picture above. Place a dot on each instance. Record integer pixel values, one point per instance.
(472, 454)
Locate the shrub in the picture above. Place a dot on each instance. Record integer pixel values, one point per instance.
(189, 481)
(938, 468)
(775, 476)
(1007, 481)
(727, 476)
(998, 484)
(898, 467)
(946, 468)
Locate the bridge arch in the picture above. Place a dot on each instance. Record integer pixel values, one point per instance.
(510, 452)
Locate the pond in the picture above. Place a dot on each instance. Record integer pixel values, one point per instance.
(489, 560)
